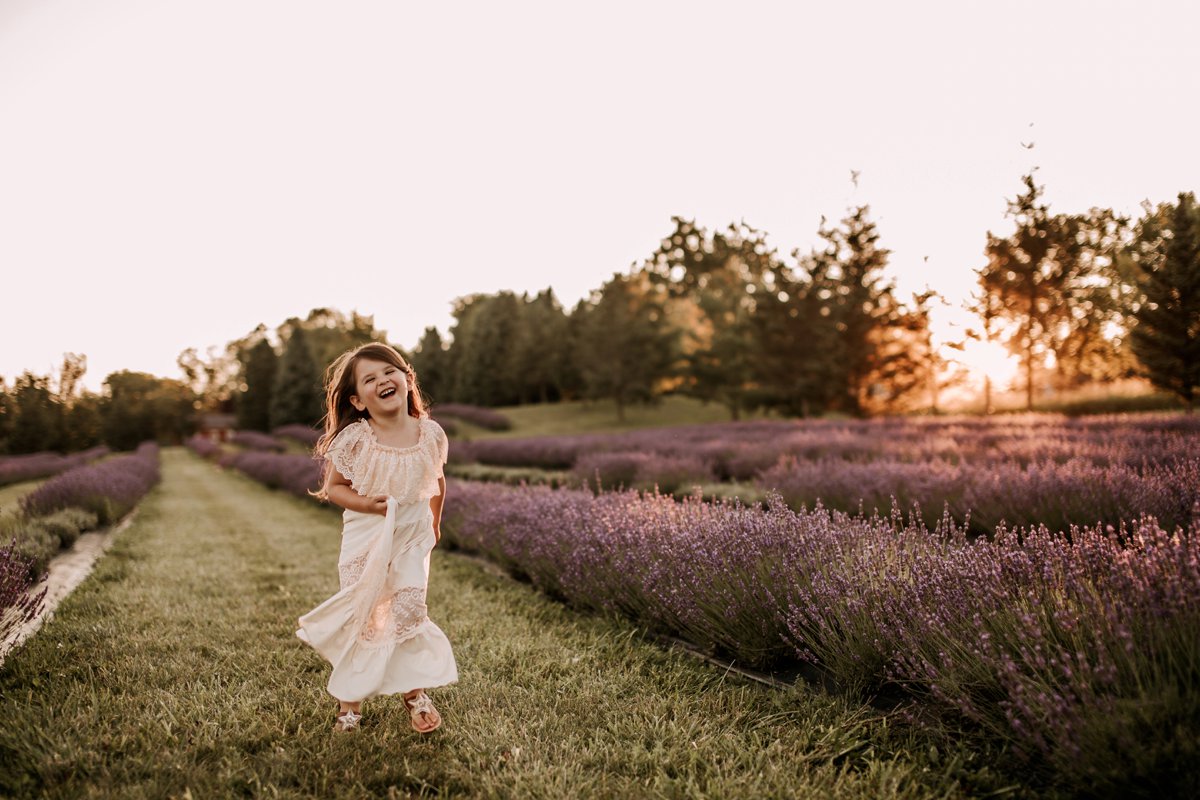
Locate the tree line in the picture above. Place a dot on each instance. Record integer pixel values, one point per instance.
(714, 314)
(719, 315)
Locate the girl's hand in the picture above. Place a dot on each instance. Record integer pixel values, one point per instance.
(376, 505)
(437, 534)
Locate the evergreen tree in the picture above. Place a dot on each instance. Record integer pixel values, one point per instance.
(1166, 339)
(718, 276)
(625, 349)
(432, 364)
(296, 393)
(1028, 274)
(484, 330)
(254, 402)
(540, 350)
(37, 416)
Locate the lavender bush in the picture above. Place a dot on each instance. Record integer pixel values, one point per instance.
(300, 433)
(39, 539)
(292, 473)
(203, 447)
(18, 604)
(1078, 649)
(14, 469)
(667, 473)
(475, 415)
(254, 440)
(109, 489)
(1051, 494)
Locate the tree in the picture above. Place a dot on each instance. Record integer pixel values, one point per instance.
(624, 348)
(296, 393)
(329, 333)
(847, 285)
(1166, 339)
(258, 385)
(484, 330)
(719, 276)
(138, 407)
(794, 360)
(540, 351)
(37, 416)
(432, 365)
(1027, 275)
(1088, 344)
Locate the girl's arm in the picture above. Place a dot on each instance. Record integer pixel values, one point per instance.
(339, 492)
(435, 505)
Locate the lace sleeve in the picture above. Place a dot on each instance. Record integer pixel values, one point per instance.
(443, 447)
(345, 451)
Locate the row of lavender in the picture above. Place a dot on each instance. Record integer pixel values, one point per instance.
(742, 450)
(296, 474)
(1078, 651)
(14, 469)
(53, 516)
(1018, 470)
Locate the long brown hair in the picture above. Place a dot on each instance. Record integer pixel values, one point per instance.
(339, 386)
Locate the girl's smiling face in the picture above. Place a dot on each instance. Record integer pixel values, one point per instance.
(380, 388)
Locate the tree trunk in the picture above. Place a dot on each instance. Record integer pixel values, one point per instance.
(1029, 373)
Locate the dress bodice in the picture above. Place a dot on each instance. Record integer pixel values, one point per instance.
(409, 474)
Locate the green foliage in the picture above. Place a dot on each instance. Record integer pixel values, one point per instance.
(832, 336)
(1058, 283)
(1167, 337)
(505, 350)
(623, 349)
(486, 327)
(37, 416)
(259, 373)
(296, 393)
(138, 407)
(431, 361)
(540, 360)
(40, 538)
(713, 281)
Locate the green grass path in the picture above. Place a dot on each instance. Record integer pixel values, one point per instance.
(174, 671)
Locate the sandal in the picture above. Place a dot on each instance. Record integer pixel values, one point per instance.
(347, 721)
(421, 704)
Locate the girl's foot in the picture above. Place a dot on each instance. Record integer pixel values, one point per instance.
(425, 718)
(348, 717)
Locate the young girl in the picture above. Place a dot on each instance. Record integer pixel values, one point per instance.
(385, 469)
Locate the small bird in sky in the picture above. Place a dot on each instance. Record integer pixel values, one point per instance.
(854, 173)
(1027, 146)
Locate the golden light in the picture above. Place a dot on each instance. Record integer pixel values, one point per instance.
(989, 359)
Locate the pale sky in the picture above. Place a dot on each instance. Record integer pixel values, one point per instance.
(174, 173)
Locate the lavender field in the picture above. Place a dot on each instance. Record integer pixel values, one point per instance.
(1078, 651)
(1029, 582)
(1018, 470)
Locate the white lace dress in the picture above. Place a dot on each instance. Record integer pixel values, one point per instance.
(376, 631)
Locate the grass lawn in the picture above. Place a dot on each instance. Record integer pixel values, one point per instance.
(9, 495)
(173, 671)
(600, 416)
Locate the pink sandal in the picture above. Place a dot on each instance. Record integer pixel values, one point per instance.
(421, 704)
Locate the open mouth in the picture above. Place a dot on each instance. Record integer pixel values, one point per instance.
(387, 393)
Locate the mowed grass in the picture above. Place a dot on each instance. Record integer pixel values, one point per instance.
(10, 495)
(174, 671)
(600, 416)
